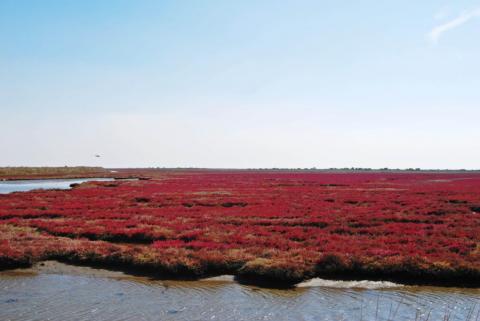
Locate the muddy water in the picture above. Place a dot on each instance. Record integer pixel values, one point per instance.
(59, 292)
(28, 185)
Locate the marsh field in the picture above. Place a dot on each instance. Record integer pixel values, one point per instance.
(279, 245)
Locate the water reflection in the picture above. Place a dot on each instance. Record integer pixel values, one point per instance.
(91, 296)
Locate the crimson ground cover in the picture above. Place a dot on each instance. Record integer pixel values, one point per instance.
(279, 227)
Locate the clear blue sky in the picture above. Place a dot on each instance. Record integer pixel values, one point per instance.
(240, 83)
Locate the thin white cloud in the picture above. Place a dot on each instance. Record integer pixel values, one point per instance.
(435, 34)
(442, 13)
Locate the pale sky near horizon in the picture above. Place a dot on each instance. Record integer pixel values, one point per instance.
(240, 84)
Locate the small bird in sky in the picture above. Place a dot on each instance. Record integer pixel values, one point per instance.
(96, 155)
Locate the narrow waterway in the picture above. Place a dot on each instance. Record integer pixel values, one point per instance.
(28, 185)
(56, 291)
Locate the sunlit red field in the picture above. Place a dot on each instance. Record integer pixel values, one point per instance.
(279, 227)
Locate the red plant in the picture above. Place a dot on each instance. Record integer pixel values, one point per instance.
(374, 220)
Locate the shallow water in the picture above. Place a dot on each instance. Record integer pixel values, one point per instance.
(28, 185)
(87, 294)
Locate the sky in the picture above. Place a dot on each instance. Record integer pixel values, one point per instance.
(240, 84)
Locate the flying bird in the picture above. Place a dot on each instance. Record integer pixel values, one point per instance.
(96, 155)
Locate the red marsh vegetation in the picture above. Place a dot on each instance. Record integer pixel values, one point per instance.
(275, 227)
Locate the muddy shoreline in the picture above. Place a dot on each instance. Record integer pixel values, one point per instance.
(160, 273)
(57, 267)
